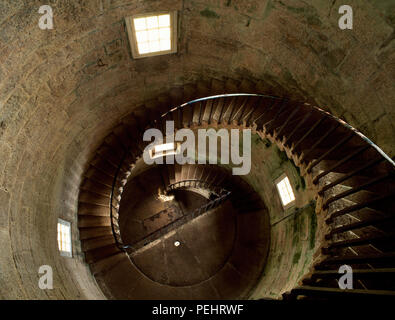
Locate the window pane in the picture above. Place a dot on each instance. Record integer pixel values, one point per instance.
(164, 33)
(153, 35)
(165, 45)
(143, 47)
(164, 20)
(152, 22)
(142, 36)
(285, 190)
(154, 46)
(64, 237)
(139, 24)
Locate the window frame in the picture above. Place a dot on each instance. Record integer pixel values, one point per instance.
(67, 224)
(132, 34)
(276, 182)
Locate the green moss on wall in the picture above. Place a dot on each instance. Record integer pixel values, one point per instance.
(296, 257)
(282, 156)
(313, 20)
(209, 14)
(256, 139)
(266, 142)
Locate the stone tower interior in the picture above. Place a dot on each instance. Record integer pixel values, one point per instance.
(319, 103)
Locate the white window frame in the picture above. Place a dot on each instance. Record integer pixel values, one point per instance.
(68, 254)
(276, 182)
(132, 34)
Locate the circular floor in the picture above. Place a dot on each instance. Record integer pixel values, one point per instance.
(217, 255)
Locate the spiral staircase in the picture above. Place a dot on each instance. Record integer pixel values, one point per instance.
(352, 179)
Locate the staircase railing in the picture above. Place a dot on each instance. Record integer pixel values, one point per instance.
(114, 209)
(222, 196)
(197, 184)
(212, 204)
(271, 116)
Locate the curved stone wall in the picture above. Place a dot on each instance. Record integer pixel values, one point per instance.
(61, 91)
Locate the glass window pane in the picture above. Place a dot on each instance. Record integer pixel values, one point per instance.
(143, 47)
(154, 46)
(165, 45)
(164, 20)
(164, 33)
(153, 35)
(285, 190)
(142, 36)
(139, 24)
(152, 22)
(64, 237)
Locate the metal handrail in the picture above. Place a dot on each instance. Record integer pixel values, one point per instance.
(195, 183)
(178, 222)
(117, 237)
(211, 204)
